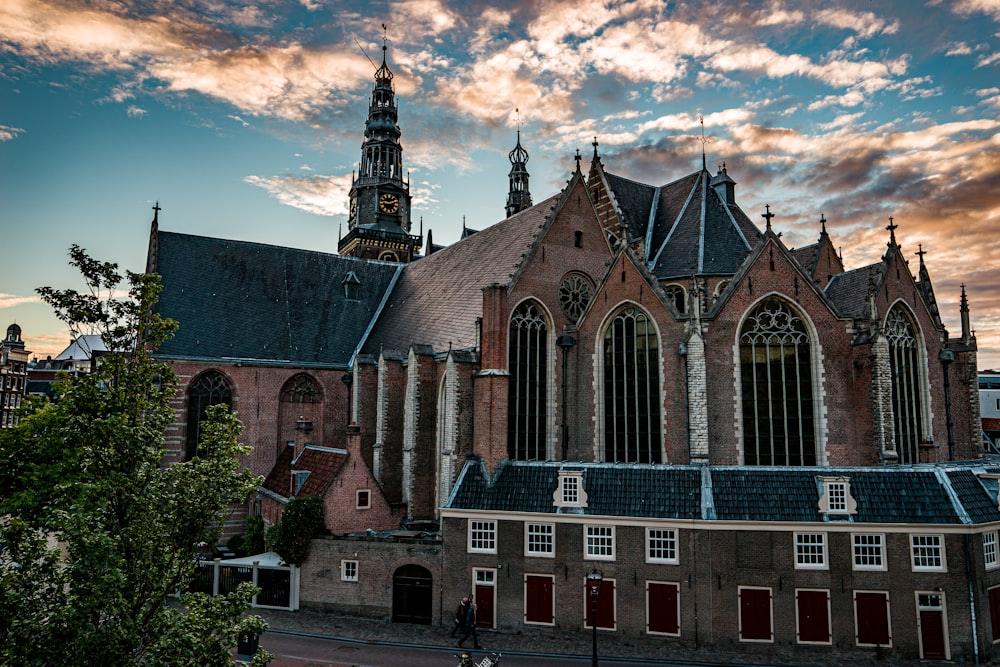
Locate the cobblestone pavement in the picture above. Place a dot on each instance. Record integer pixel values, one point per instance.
(553, 642)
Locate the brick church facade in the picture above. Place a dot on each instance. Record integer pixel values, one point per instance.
(756, 447)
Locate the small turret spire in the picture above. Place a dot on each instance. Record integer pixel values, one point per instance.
(518, 194)
(964, 311)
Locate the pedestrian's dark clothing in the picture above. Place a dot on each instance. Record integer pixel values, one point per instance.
(460, 613)
(470, 626)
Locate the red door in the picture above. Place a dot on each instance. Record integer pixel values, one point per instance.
(538, 599)
(484, 605)
(932, 635)
(813, 616)
(871, 611)
(605, 605)
(930, 607)
(755, 614)
(662, 608)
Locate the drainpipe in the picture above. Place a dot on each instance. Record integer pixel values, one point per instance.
(972, 596)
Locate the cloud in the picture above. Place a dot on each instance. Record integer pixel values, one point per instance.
(316, 194)
(966, 8)
(8, 133)
(135, 112)
(11, 300)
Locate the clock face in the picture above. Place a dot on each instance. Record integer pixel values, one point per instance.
(388, 203)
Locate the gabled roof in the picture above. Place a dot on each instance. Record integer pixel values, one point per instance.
(944, 494)
(322, 463)
(269, 304)
(687, 225)
(438, 299)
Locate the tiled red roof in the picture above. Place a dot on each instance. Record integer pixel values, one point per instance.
(322, 463)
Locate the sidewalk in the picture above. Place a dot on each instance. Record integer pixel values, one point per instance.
(550, 642)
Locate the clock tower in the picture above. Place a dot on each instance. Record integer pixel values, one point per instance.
(379, 223)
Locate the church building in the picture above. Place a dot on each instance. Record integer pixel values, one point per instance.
(628, 404)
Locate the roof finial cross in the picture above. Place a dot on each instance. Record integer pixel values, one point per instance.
(156, 211)
(822, 223)
(577, 158)
(921, 252)
(385, 37)
(892, 230)
(595, 147)
(767, 216)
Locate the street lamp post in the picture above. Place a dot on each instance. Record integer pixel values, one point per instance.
(594, 583)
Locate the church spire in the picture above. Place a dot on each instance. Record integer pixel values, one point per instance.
(379, 218)
(518, 196)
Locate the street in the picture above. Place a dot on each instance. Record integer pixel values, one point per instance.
(296, 650)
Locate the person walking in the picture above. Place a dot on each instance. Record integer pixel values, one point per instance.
(470, 625)
(460, 612)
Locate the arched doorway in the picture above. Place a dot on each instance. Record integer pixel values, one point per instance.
(412, 598)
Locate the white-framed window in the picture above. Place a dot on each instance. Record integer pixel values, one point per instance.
(990, 549)
(836, 498)
(661, 545)
(810, 551)
(482, 536)
(364, 499)
(869, 551)
(599, 543)
(927, 552)
(540, 540)
(348, 570)
(570, 492)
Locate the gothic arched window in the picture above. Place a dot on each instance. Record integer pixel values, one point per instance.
(776, 376)
(907, 395)
(211, 388)
(527, 435)
(632, 389)
(677, 296)
(301, 388)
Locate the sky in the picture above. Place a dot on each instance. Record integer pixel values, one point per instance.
(244, 120)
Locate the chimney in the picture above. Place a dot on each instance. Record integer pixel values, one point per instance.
(303, 427)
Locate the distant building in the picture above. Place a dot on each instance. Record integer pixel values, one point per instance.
(989, 408)
(13, 375)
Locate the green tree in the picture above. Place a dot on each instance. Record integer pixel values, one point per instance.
(301, 520)
(96, 532)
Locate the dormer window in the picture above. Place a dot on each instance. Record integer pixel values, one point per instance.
(299, 478)
(836, 496)
(569, 492)
(351, 286)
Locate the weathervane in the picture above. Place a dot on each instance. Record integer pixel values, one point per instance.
(704, 141)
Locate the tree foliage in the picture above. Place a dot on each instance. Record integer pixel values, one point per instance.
(96, 532)
(301, 520)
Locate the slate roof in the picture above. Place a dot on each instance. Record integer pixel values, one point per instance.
(438, 299)
(635, 201)
(620, 490)
(239, 300)
(848, 291)
(322, 463)
(806, 256)
(946, 494)
(692, 226)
